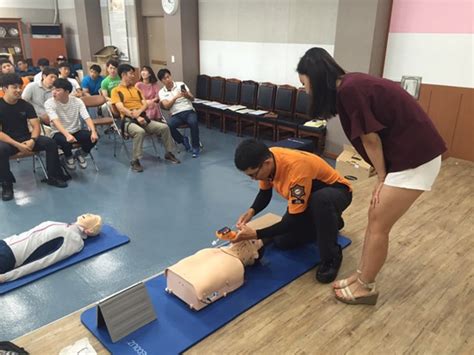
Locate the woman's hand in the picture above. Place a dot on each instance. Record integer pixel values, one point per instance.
(375, 194)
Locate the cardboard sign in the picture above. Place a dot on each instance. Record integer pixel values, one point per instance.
(126, 311)
(351, 165)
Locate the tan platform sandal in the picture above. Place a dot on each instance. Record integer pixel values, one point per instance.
(344, 282)
(369, 299)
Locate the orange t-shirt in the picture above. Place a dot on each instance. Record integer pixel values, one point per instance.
(295, 172)
(25, 80)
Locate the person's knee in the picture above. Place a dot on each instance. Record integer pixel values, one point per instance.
(48, 143)
(4, 150)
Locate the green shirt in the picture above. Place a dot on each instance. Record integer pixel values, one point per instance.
(109, 83)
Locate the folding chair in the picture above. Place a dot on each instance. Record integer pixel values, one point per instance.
(34, 155)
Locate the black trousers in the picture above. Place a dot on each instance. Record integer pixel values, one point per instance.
(319, 223)
(83, 137)
(42, 144)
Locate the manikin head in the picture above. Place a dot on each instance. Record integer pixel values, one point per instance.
(91, 223)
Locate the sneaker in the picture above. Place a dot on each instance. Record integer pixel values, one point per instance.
(195, 152)
(7, 191)
(71, 163)
(171, 158)
(80, 159)
(327, 270)
(136, 166)
(57, 182)
(186, 144)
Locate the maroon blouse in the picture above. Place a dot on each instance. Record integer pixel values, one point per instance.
(367, 104)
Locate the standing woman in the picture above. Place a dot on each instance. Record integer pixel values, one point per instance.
(149, 87)
(389, 130)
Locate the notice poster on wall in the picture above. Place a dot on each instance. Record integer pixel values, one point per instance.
(118, 27)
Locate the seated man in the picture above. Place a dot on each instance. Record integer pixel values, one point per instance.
(108, 84)
(211, 273)
(176, 97)
(8, 68)
(24, 70)
(65, 112)
(316, 194)
(64, 72)
(15, 113)
(45, 245)
(91, 83)
(37, 93)
(42, 63)
(132, 106)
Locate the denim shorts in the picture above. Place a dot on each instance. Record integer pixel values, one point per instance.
(7, 259)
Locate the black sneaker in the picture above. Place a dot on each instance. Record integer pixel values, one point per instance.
(57, 182)
(327, 270)
(7, 191)
(136, 166)
(171, 158)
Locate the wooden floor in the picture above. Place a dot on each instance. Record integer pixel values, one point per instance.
(426, 304)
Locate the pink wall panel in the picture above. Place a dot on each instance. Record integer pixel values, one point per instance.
(432, 16)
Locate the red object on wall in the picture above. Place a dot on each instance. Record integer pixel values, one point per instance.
(47, 48)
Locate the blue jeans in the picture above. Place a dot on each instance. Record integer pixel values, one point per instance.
(7, 259)
(186, 117)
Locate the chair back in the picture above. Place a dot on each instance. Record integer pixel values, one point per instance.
(203, 86)
(217, 89)
(302, 105)
(285, 100)
(93, 100)
(266, 97)
(232, 91)
(248, 93)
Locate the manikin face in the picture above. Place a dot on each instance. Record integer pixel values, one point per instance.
(48, 80)
(7, 68)
(61, 94)
(112, 71)
(13, 92)
(304, 79)
(91, 223)
(167, 81)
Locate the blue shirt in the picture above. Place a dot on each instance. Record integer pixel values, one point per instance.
(92, 85)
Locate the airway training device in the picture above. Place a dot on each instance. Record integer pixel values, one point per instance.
(226, 234)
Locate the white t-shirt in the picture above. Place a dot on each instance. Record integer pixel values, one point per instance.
(182, 104)
(69, 113)
(24, 244)
(38, 76)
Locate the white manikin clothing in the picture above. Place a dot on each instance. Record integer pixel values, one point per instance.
(24, 244)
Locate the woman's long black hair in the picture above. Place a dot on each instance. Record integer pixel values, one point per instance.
(152, 78)
(323, 72)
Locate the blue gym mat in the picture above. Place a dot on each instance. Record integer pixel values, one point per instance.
(178, 327)
(109, 238)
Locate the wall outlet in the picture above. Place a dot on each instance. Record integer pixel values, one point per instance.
(172, 59)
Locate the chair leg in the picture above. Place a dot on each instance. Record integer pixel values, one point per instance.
(154, 147)
(93, 161)
(42, 165)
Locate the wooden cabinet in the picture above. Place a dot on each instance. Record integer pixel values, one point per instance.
(11, 38)
(49, 48)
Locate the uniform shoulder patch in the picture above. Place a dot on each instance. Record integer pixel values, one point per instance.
(297, 191)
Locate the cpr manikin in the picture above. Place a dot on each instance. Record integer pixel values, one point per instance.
(44, 245)
(211, 273)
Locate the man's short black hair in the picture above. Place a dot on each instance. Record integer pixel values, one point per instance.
(251, 154)
(96, 68)
(124, 68)
(50, 70)
(63, 84)
(113, 62)
(43, 62)
(162, 73)
(4, 60)
(64, 65)
(22, 61)
(10, 79)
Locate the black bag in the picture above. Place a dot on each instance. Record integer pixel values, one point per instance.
(12, 349)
